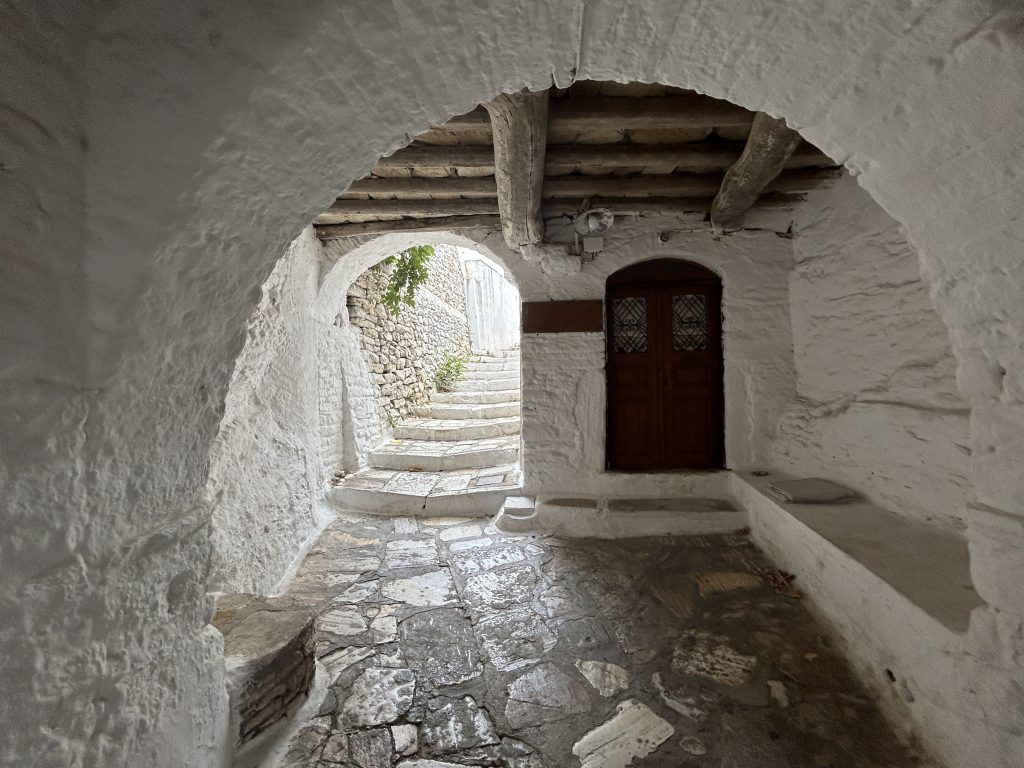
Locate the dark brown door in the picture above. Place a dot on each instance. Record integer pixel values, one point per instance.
(664, 367)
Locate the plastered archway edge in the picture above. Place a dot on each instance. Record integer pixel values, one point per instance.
(158, 158)
(359, 430)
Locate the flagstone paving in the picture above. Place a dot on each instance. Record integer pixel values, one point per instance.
(447, 643)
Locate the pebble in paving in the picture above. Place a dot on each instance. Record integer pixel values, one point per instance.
(447, 644)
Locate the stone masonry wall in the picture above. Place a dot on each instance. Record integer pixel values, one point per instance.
(404, 352)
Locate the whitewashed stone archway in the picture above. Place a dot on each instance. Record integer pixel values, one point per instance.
(352, 428)
(158, 158)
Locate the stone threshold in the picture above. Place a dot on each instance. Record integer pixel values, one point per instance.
(466, 492)
(620, 518)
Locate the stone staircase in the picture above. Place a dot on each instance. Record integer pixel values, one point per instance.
(457, 455)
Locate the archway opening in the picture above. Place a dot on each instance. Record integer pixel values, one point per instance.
(440, 350)
(871, 87)
(400, 202)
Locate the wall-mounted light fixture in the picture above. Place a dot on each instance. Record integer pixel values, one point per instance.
(590, 224)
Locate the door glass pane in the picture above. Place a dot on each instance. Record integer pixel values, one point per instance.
(629, 324)
(689, 322)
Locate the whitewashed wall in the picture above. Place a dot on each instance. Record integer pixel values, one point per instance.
(564, 395)
(492, 307)
(877, 401)
(264, 483)
(157, 158)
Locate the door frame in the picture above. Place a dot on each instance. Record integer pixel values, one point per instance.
(647, 275)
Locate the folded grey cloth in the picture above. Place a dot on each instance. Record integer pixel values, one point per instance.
(809, 490)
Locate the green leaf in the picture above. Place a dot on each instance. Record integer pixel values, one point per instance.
(409, 274)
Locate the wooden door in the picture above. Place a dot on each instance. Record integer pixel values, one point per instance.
(664, 367)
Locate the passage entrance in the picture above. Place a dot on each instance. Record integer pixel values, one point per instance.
(664, 367)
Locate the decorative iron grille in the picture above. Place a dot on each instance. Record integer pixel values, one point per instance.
(629, 324)
(689, 322)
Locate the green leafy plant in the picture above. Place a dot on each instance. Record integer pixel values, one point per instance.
(409, 274)
(450, 370)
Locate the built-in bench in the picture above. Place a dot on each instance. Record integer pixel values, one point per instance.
(897, 590)
(925, 565)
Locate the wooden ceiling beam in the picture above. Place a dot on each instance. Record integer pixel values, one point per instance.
(603, 112)
(769, 148)
(644, 185)
(519, 124)
(685, 158)
(434, 224)
(674, 184)
(697, 157)
(439, 155)
(659, 112)
(433, 220)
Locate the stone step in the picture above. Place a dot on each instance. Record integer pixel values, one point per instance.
(493, 360)
(471, 410)
(512, 355)
(476, 397)
(489, 371)
(456, 429)
(470, 493)
(488, 385)
(470, 375)
(439, 455)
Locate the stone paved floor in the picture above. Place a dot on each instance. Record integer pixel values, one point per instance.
(449, 643)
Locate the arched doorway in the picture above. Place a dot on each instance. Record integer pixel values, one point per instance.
(664, 367)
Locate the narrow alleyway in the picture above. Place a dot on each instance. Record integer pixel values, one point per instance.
(459, 451)
(449, 643)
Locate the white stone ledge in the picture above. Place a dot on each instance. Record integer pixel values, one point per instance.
(899, 594)
(619, 517)
(925, 565)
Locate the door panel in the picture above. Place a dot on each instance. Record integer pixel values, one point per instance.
(664, 367)
(633, 377)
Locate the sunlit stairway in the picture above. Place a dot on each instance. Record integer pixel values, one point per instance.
(458, 454)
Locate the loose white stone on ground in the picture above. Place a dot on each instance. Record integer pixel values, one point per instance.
(634, 732)
(607, 678)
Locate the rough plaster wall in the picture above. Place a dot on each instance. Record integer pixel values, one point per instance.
(361, 427)
(878, 407)
(492, 307)
(264, 466)
(331, 401)
(564, 397)
(129, 274)
(403, 353)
